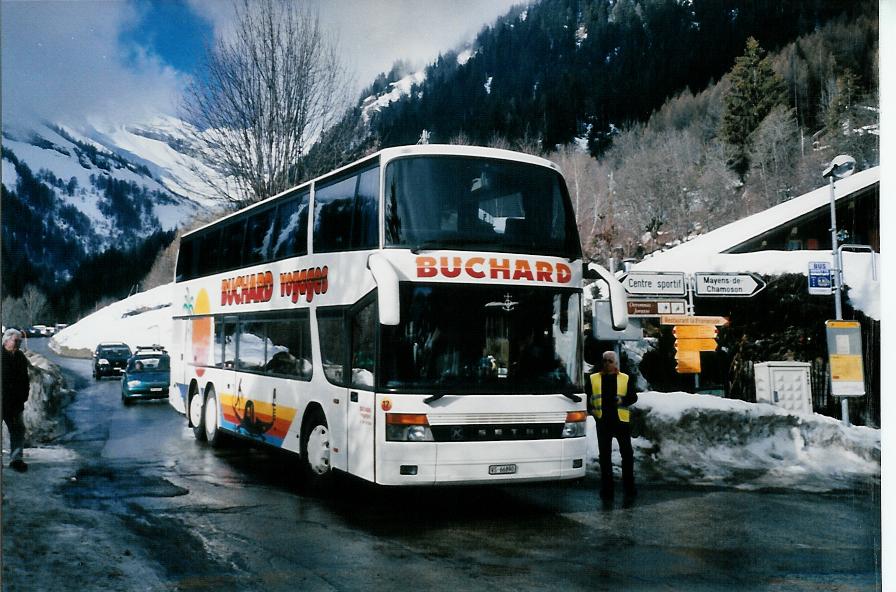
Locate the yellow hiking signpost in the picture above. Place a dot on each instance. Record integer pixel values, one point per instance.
(690, 340)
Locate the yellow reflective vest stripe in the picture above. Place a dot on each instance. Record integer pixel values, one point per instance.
(621, 390)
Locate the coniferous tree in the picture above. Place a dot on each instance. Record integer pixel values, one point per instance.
(755, 91)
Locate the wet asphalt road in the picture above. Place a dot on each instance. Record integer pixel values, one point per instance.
(181, 516)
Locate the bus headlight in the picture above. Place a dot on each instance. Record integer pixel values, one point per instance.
(408, 427)
(575, 424)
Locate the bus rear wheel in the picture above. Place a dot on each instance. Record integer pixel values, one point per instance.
(316, 450)
(195, 409)
(210, 418)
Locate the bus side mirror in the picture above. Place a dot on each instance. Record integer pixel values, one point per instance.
(618, 299)
(386, 278)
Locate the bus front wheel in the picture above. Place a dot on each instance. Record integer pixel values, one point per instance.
(316, 449)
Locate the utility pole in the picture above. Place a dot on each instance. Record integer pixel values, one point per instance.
(841, 167)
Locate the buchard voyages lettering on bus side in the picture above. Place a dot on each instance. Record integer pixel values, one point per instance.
(259, 287)
(243, 289)
(307, 282)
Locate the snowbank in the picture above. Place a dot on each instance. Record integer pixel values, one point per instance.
(142, 319)
(708, 440)
(47, 398)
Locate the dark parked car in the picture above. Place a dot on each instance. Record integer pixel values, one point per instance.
(110, 359)
(147, 375)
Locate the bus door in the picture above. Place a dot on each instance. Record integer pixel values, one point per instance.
(363, 321)
(225, 357)
(332, 333)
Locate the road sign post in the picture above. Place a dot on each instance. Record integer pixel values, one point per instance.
(693, 334)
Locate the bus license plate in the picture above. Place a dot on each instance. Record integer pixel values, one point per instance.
(501, 469)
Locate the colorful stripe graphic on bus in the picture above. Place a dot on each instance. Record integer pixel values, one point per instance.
(201, 332)
(268, 422)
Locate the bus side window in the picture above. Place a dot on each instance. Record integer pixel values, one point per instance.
(185, 264)
(232, 245)
(254, 345)
(209, 250)
(331, 334)
(367, 215)
(333, 208)
(225, 342)
(364, 322)
(259, 237)
(346, 213)
(290, 238)
(289, 352)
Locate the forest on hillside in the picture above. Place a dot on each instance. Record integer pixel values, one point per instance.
(668, 118)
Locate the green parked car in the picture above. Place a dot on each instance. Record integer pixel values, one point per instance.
(147, 375)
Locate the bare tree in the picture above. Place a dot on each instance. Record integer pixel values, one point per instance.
(34, 303)
(587, 181)
(774, 152)
(267, 92)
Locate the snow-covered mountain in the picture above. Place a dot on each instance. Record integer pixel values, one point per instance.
(73, 193)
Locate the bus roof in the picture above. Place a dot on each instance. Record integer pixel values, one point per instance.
(388, 154)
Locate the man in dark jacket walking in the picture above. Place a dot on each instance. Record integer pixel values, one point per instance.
(610, 395)
(15, 393)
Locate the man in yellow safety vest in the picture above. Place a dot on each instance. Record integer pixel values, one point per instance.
(610, 395)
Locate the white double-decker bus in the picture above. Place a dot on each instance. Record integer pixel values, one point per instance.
(412, 318)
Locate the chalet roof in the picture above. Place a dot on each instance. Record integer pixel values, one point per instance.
(726, 238)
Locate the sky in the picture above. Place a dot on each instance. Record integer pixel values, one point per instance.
(117, 61)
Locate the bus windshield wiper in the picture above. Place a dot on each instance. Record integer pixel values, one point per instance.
(433, 398)
(575, 398)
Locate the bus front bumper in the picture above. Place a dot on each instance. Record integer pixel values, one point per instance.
(435, 463)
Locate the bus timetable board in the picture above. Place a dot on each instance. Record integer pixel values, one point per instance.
(845, 358)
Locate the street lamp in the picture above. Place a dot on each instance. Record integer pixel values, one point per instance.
(841, 167)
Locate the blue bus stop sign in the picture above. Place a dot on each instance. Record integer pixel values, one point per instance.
(820, 278)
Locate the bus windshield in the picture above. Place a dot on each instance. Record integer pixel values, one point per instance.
(484, 339)
(482, 204)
